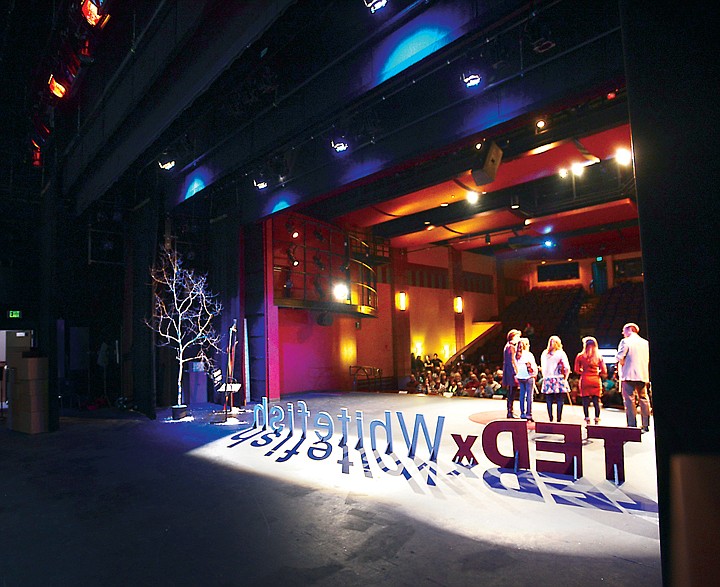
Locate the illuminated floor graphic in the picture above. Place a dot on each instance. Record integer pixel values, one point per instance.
(539, 511)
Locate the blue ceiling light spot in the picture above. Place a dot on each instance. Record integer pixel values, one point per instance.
(196, 181)
(279, 205)
(412, 49)
(195, 186)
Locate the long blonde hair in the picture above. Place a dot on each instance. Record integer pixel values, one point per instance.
(557, 340)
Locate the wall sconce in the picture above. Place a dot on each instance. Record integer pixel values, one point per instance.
(402, 301)
(458, 305)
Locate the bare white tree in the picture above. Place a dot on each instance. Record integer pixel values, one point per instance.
(183, 312)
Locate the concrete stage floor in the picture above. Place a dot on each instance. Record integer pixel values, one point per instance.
(116, 499)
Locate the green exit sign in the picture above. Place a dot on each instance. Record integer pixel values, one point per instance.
(14, 314)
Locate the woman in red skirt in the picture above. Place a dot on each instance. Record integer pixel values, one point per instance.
(591, 368)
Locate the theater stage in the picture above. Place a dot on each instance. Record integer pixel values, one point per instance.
(125, 500)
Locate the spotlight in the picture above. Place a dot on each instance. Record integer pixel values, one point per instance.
(472, 197)
(487, 238)
(340, 144)
(375, 5)
(292, 231)
(91, 13)
(563, 172)
(514, 202)
(292, 259)
(623, 157)
(444, 205)
(166, 162)
(260, 182)
(56, 87)
(577, 169)
(319, 262)
(548, 243)
(471, 79)
(341, 292)
(541, 125)
(319, 235)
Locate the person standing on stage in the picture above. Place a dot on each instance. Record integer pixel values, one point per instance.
(591, 368)
(633, 359)
(555, 369)
(509, 370)
(526, 373)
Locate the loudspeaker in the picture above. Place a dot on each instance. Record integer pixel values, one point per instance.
(483, 172)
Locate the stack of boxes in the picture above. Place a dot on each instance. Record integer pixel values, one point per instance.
(27, 390)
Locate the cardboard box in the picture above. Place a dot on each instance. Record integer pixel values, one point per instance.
(28, 422)
(29, 368)
(29, 396)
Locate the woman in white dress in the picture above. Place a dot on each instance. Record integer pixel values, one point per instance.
(555, 369)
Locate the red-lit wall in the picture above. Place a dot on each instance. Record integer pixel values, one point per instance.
(314, 357)
(374, 338)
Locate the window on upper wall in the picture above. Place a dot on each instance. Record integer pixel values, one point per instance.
(558, 272)
(627, 268)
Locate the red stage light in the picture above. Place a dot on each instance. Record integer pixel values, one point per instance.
(56, 87)
(92, 15)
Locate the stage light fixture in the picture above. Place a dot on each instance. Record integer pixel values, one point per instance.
(548, 243)
(292, 259)
(472, 197)
(563, 172)
(375, 5)
(487, 238)
(471, 79)
(514, 202)
(291, 230)
(577, 169)
(341, 292)
(339, 144)
(166, 162)
(319, 262)
(56, 88)
(260, 182)
(90, 10)
(541, 125)
(623, 157)
(444, 205)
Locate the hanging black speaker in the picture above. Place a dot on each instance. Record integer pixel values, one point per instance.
(489, 157)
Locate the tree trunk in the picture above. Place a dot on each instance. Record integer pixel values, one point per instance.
(179, 385)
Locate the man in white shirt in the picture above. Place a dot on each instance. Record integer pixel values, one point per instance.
(633, 359)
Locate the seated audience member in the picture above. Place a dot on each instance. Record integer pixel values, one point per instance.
(472, 385)
(483, 390)
(498, 374)
(453, 385)
(442, 384)
(493, 386)
(412, 384)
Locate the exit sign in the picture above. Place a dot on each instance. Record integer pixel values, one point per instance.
(14, 314)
